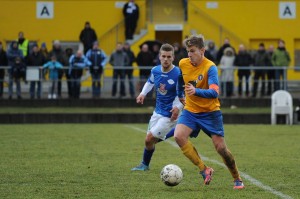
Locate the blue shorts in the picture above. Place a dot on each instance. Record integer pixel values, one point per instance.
(210, 123)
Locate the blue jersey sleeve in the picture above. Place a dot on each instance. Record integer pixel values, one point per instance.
(180, 86)
(212, 79)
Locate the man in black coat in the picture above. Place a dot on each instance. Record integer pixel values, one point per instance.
(3, 62)
(36, 59)
(87, 37)
(131, 15)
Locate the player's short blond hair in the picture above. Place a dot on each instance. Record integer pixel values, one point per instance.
(195, 40)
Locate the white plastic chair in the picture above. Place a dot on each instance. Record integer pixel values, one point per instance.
(282, 104)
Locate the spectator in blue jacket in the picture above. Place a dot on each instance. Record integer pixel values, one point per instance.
(98, 59)
(54, 66)
(77, 63)
(12, 53)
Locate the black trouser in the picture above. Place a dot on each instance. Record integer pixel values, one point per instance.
(129, 74)
(60, 75)
(271, 79)
(118, 73)
(227, 88)
(130, 26)
(259, 74)
(1, 81)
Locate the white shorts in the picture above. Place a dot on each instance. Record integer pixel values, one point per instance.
(159, 125)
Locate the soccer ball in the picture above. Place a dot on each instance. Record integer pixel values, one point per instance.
(171, 175)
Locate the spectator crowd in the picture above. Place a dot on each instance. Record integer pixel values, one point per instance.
(61, 63)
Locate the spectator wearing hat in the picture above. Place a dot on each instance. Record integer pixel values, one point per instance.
(87, 36)
(36, 59)
(44, 50)
(3, 63)
(98, 59)
(60, 55)
(227, 76)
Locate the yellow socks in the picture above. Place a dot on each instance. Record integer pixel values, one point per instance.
(191, 153)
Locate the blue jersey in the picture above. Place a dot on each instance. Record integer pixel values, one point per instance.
(165, 84)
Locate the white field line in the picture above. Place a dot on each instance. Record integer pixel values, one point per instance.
(244, 175)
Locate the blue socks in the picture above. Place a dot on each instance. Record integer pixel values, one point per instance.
(147, 156)
(171, 133)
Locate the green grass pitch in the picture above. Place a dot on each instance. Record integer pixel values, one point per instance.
(94, 161)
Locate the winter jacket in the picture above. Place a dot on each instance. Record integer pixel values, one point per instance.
(243, 59)
(54, 68)
(77, 64)
(119, 58)
(98, 60)
(12, 53)
(227, 68)
(281, 57)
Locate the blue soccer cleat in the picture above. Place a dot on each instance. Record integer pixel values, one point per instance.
(207, 175)
(238, 184)
(140, 167)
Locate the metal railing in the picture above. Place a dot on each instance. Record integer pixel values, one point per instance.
(107, 81)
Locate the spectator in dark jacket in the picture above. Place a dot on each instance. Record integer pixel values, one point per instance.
(129, 70)
(87, 36)
(145, 62)
(69, 53)
(12, 53)
(3, 63)
(261, 58)
(119, 59)
(77, 63)
(243, 60)
(36, 59)
(18, 69)
(271, 72)
(60, 55)
(131, 15)
(98, 59)
(178, 54)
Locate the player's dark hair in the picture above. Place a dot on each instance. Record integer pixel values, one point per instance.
(195, 40)
(167, 47)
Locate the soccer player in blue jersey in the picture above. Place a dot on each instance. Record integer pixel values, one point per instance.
(164, 77)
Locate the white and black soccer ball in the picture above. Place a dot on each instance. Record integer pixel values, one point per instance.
(171, 175)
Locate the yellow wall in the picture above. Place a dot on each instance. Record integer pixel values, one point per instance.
(248, 22)
(68, 21)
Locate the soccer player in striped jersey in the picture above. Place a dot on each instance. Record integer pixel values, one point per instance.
(164, 79)
(199, 79)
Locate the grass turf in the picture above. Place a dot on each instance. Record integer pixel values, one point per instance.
(94, 161)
